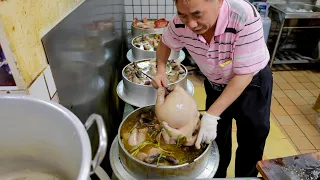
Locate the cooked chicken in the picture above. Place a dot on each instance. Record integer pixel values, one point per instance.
(137, 136)
(154, 151)
(179, 114)
(141, 156)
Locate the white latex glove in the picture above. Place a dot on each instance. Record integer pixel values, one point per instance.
(208, 129)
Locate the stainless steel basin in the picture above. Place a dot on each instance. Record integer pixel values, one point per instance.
(296, 11)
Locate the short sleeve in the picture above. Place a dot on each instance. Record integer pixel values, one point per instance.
(170, 36)
(250, 51)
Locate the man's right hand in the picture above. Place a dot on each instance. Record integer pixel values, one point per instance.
(160, 80)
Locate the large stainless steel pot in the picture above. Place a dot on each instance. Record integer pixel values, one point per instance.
(144, 94)
(45, 138)
(145, 54)
(135, 31)
(142, 170)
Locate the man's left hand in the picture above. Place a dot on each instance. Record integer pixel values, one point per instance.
(208, 129)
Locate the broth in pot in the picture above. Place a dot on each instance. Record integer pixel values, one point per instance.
(147, 140)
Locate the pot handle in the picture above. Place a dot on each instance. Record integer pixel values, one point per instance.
(102, 139)
(102, 175)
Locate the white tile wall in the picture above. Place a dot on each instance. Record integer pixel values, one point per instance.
(161, 2)
(137, 9)
(137, 2)
(145, 2)
(161, 9)
(39, 90)
(153, 9)
(128, 2)
(169, 9)
(169, 2)
(128, 9)
(44, 87)
(153, 2)
(148, 8)
(145, 9)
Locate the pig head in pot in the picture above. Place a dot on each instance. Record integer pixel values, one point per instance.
(178, 112)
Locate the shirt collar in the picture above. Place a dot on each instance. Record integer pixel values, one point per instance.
(223, 19)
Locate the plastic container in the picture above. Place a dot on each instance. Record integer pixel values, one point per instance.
(266, 23)
(262, 7)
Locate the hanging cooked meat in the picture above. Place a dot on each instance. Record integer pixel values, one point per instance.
(150, 24)
(161, 23)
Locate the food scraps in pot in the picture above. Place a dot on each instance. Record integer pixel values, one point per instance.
(147, 42)
(174, 72)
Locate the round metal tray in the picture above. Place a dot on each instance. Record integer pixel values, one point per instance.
(122, 174)
(182, 56)
(131, 101)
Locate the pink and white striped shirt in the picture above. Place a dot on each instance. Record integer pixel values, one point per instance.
(238, 45)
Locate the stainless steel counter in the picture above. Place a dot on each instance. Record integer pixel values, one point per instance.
(291, 17)
(294, 11)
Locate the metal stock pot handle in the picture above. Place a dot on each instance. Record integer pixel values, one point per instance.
(102, 139)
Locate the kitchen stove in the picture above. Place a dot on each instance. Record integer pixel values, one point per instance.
(119, 173)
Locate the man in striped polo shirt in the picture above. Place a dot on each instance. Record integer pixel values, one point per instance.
(225, 38)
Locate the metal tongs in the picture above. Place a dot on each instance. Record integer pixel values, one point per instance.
(139, 72)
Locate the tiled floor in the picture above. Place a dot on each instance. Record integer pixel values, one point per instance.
(294, 94)
(294, 128)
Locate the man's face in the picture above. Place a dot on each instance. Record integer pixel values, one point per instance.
(199, 15)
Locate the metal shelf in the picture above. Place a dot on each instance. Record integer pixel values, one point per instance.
(286, 57)
(286, 36)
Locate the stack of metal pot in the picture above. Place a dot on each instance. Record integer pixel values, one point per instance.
(138, 53)
(124, 165)
(144, 95)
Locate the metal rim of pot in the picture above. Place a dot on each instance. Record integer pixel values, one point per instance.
(151, 165)
(169, 84)
(145, 54)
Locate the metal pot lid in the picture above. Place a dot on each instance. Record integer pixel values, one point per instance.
(125, 98)
(122, 174)
(182, 56)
